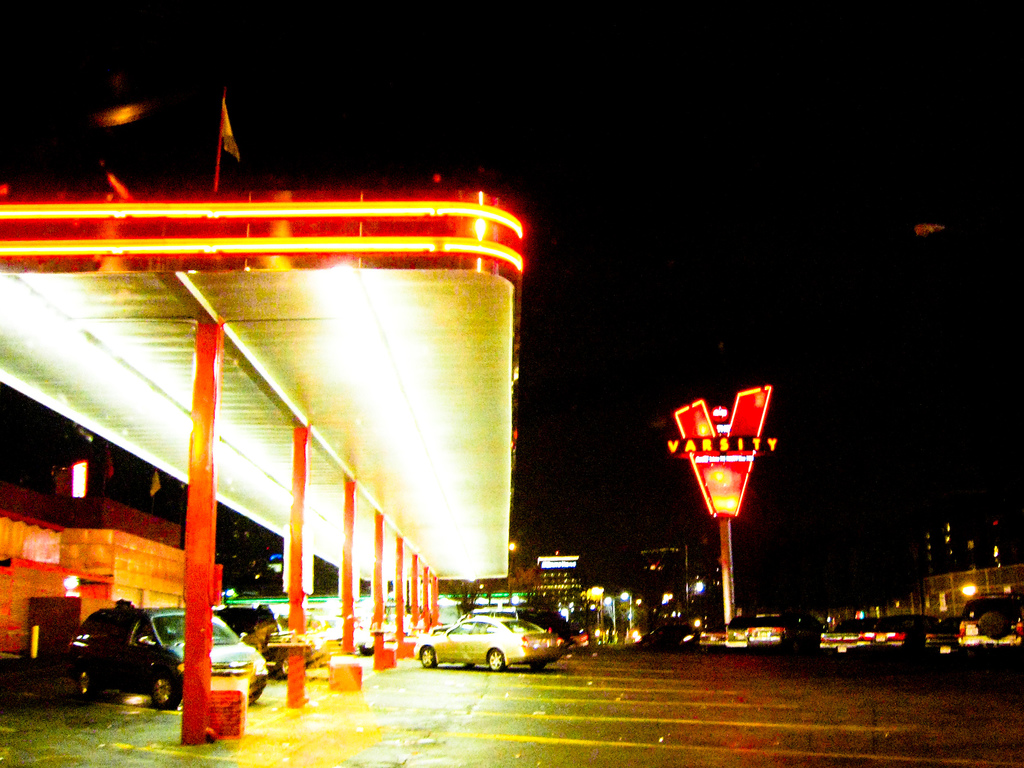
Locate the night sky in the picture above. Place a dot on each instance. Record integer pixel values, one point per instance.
(711, 204)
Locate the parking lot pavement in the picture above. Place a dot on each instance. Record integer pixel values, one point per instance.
(602, 707)
(615, 707)
(41, 723)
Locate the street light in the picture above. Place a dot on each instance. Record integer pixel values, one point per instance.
(611, 602)
(629, 616)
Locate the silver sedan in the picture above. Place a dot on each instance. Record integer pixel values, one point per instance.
(494, 642)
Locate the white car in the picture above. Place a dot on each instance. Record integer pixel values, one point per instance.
(494, 642)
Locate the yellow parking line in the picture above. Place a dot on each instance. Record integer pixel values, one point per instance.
(620, 689)
(680, 721)
(790, 753)
(643, 702)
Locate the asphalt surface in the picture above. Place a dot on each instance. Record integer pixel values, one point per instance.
(42, 723)
(600, 707)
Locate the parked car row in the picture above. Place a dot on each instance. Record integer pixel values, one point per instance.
(989, 622)
(793, 632)
(142, 650)
(907, 632)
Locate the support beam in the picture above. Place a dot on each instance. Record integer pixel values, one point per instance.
(414, 592)
(728, 595)
(348, 643)
(426, 599)
(399, 597)
(435, 614)
(296, 575)
(377, 626)
(200, 534)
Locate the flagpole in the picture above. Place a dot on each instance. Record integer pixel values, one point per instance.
(220, 140)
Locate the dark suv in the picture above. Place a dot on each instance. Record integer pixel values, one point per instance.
(995, 621)
(142, 650)
(255, 624)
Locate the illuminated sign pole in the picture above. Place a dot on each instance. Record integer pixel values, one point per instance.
(721, 447)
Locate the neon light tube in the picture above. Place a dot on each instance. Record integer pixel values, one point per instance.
(256, 245)
(259, 211)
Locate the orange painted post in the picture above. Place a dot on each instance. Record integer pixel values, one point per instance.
(399, 590)
(426, 598)
(348, 642)
(200, 535)
(399, 597)
(435, 614)
(414, 591)
(377, 626)
(296, 582)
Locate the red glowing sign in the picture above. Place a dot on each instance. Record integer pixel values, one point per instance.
(722, 455)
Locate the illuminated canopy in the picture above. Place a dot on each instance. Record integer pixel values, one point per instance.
(388, 328)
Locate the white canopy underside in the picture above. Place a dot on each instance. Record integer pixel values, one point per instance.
(404, 375)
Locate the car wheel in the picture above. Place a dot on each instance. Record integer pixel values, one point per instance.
(366, 650)
(537, 666)
(994, 624)
(495, 660)
(428, 657)
(86, 684)
(164, 691)
(254, 694)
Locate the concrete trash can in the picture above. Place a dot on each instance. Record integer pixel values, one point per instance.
(345, 674)
(229, 705)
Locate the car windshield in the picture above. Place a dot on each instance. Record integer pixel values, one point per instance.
(170, 629)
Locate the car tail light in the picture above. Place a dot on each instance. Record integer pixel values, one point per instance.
(1020, 629)
(900, 636)
(963, 629)
(526, 641)
(869, 636)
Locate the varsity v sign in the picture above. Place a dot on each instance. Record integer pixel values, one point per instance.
(721, 446)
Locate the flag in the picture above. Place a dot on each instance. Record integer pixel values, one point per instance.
(155, 485)
(116, 184)
(923, 230)
(227, 136)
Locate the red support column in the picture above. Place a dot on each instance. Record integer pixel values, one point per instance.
(348, 643)
(414, 592)
(399, 597)
(296, 580)
(377, 626)
(435, 615)
(426, 598)
(200, 535)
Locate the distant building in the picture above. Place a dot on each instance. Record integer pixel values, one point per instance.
(968, 531)
(61, 558)
(559, 584)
